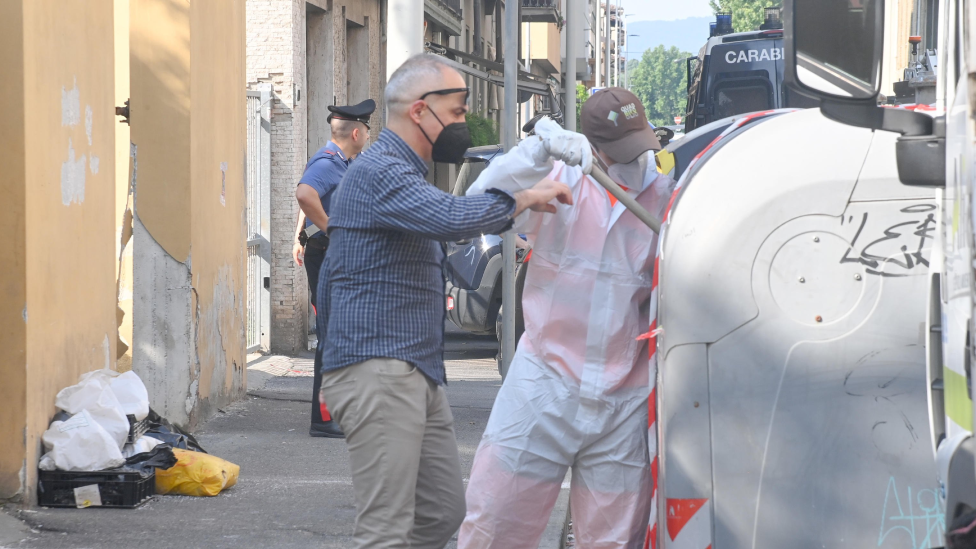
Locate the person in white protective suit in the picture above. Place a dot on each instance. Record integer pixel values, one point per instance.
(577, 389)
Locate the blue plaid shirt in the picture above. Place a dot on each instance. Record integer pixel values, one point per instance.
(384, 269)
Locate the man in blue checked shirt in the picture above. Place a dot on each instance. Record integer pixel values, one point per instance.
(381, 345)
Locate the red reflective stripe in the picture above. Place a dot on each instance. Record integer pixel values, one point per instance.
(651, 541)
(326, 416)
(652, 414)
(680, 511)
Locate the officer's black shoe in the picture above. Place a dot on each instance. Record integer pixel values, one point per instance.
(327, 429)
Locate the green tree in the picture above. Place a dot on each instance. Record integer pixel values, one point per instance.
(581, 97)
(747, 15)
(483, 130)
(659, 80)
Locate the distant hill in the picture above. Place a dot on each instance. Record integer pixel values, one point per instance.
(687, 34)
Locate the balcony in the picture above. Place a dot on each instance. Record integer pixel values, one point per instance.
(541, 11)
(445, 14)
(541, 43)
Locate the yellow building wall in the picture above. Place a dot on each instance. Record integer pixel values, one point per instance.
(187, 83)
(13, 284)
(160, 118)
(544, 41)
(218, 205)
(58, 188)
(66, 188)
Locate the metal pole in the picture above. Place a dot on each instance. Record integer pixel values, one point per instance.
(606, 54)
(574, 27)
(509, 140)
(526, 111)
(628, 201)
(404, 32)
(616, 56)
(597, 53)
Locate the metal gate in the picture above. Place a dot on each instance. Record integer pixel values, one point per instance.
(258, 185)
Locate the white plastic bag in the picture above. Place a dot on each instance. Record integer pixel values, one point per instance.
(142, 445)
(94, 393)
(132, 394)
(79, 444)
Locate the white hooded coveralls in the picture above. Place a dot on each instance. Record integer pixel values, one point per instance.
(577, 389)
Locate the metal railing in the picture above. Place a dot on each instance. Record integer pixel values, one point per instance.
(540, 4)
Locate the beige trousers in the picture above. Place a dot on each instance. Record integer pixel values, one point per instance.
(406, 472)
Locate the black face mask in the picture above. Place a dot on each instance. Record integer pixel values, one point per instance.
(451, 144)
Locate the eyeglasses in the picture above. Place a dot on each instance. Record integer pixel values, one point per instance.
(449, 91)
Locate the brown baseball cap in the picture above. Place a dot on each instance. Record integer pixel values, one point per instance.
(613, 120)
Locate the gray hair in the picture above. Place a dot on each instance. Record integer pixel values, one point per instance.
(412, 79)
(342, 129)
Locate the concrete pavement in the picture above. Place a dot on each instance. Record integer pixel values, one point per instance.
(294, 491)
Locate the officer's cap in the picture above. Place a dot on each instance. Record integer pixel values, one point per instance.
(357, 113)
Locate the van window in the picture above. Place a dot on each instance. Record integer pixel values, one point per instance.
(741, 95)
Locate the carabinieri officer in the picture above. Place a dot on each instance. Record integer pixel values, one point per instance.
(324, 171)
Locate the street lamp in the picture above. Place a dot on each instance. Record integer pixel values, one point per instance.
(627, 62)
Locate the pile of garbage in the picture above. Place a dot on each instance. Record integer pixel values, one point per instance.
(106, 447)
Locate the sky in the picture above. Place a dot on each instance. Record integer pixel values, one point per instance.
(665, 10)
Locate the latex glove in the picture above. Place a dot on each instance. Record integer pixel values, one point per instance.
(570, 147)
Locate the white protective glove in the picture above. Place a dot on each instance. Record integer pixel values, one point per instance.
(570, 147)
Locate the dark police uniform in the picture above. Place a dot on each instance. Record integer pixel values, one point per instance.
(323, 173)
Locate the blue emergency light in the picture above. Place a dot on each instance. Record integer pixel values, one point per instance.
(721, 26)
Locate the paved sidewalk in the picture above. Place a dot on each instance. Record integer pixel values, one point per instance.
(294, 491)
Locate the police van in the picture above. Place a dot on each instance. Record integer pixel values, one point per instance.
(736, 73)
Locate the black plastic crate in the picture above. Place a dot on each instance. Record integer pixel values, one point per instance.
(118, 489)
(136, 428)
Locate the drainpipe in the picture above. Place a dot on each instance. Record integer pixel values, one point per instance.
(499, 24)
(573, 29)
(479, 16)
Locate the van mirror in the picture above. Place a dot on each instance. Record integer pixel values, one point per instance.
(833, 48)
(922, 158)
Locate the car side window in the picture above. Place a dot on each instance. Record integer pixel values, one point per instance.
(475, 167)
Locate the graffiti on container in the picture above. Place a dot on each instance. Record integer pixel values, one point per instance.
(916, 518)
(909, 237)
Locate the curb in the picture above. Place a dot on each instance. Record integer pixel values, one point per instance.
(12, 530)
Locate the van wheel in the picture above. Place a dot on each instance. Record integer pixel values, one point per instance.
(519, 319)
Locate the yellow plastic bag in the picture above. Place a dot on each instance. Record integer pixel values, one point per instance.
(196, 474)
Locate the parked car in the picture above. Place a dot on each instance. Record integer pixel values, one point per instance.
(474, 267)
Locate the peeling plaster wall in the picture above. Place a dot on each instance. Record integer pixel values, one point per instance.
(188, 92)
(218, 205)
(162, 326)
(57, 288)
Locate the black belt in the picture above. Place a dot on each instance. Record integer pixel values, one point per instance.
(320, 242)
